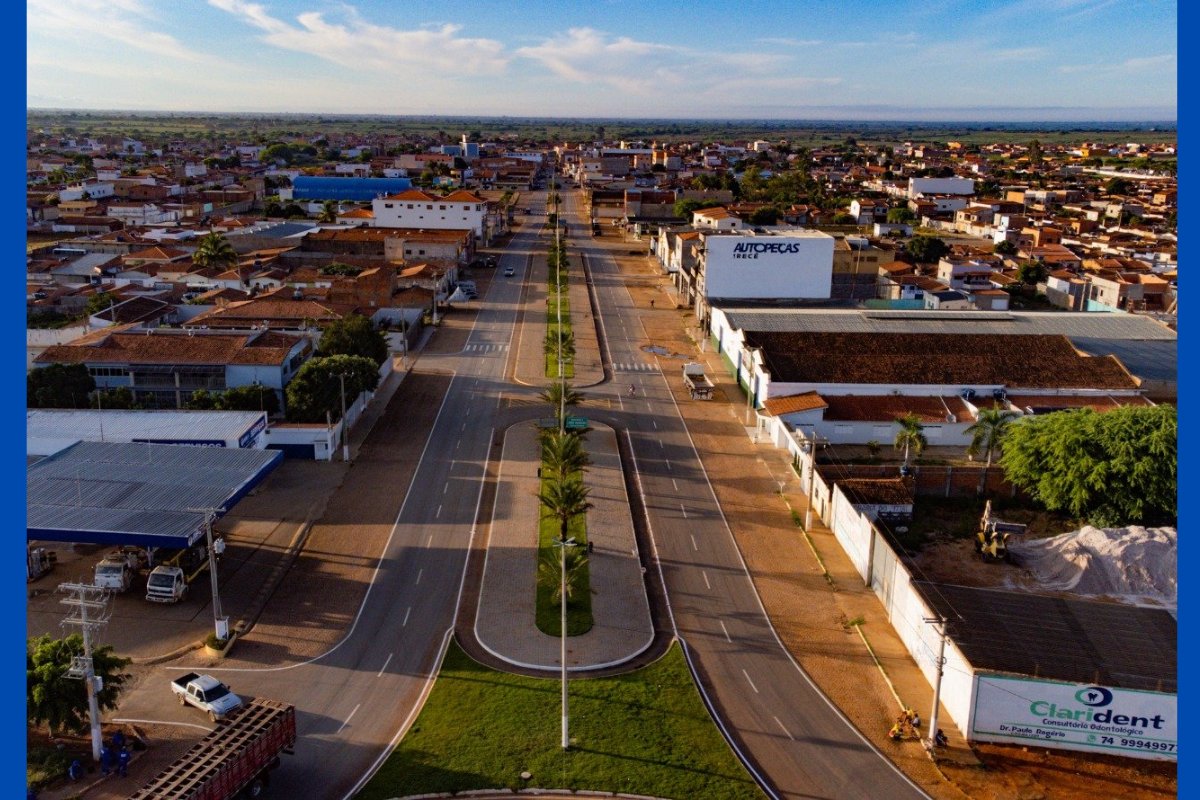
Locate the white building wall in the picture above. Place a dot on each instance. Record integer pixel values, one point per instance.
(390, 213)
(919, 186)
(790, 266)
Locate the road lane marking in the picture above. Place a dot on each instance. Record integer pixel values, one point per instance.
(668, 462)
(439, 513)
(684, 510)
(458, 445)
(676, 485)
(464, 427)
(725, 631)
(420, 572)
(752, 686)
(706, 583)
(660, 444)
(694, 547)
(429, 541)
(347, 722)
(381, 669)
(655, 424)
(406, 613)
(785, 730)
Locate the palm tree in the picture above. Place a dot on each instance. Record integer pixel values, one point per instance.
(564, 500)
(328, 212)
(550, 576)
(910, 437)
(563, 454)
(986, 435)
(561, 394)
(214, 251)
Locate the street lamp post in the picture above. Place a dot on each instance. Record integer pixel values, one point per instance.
(563, 544)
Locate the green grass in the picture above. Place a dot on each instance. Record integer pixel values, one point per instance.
(579, 608)
(645, 733)
(552, 300)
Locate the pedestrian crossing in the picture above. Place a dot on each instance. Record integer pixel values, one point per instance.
(637, 366)
(486, 348)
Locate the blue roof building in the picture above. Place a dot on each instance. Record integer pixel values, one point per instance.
(311, 187)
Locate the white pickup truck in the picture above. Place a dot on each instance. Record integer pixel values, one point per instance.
(206, 693)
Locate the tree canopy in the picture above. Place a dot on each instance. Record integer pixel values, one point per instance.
(354, 335)
(60, 701)
(100, 301)
(59, 386)
(926, 249)
(317, 389)
(1114, 468)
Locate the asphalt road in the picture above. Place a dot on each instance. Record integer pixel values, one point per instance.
(790, 734)
(353, 700)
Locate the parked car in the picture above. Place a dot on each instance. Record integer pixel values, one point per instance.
(492, 261)
(114, 572)
(166, 585)
(509, 272)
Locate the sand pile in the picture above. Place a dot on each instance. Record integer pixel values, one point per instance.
(1135, 562)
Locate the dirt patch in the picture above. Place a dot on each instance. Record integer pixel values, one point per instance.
(1011, 772)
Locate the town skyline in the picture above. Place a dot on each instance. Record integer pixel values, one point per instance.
(770, 61)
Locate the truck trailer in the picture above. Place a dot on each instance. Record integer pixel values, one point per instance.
(697, 383)
(233, 761)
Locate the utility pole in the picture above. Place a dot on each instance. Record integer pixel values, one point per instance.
(220, 621)
(940, 622)
(90, 611)
(812, 461)
(345, 422)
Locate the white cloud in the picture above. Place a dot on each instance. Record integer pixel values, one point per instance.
(1163, 64)
(359, 44)
(128, 22)
(786, 42)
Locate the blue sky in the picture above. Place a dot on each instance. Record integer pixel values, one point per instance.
(936, 59)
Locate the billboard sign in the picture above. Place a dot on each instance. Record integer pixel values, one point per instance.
(795, 266)
(1075, 716)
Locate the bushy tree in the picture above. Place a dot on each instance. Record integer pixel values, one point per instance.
(900, 216)
(1005, 248)
(1118, 467)
(768, 215)
(316, 388)
(59, 386)
(926, 249)
(59, 701)
(100, 301)
(354, 335)
(1031, 273)
(253, 397)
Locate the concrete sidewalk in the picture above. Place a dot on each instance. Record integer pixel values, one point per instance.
(504, 624)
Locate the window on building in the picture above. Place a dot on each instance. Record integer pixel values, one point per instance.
(389, 205)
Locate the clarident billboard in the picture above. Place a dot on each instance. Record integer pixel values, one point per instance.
(1075, 716)
(769, 267)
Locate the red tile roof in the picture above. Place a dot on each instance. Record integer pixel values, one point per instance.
(792, 403)
(162, 347)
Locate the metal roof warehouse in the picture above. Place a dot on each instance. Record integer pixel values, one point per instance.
(150, 495)
(49, 430)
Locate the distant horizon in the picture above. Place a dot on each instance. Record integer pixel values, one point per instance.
(1133, 123)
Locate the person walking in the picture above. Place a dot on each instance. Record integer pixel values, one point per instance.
(107, 760)
(75, 771)
(123, 762)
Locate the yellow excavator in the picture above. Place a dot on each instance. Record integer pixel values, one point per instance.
(991, 540)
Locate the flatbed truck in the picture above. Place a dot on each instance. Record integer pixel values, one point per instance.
(233, 761)
(697, 383)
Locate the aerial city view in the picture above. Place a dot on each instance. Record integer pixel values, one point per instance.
(730, 400)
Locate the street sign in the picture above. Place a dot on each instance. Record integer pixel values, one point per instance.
(576, 423)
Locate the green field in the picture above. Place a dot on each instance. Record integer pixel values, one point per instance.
(644, 733)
